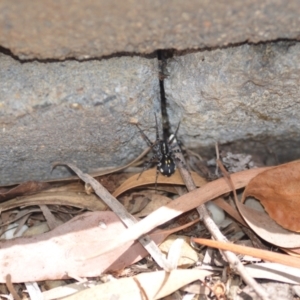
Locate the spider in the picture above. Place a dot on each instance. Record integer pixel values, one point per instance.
(163, 153)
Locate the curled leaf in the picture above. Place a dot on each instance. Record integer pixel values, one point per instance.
(268, 229)
(72, 194)
(278, 190)
(148, 177)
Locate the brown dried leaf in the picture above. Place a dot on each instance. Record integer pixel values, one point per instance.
(268, 229)
(135, 202)
(278, 190)
(148, 177)
(25, 188)
(72, 194)
(156, 202)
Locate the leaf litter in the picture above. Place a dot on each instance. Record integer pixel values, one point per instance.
(97, 242)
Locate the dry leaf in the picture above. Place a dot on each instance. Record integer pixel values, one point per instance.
(278, 190)
(62, 251)
(264, 226)
(25, 188)
(148, 177)
(71, 194)
(63, 291)
(122, 213)
(54, 254)
(268, 229)
(180, 205)
(156, 202)
(135, 202)
(153, 285)
(273, 271)
(188, 255)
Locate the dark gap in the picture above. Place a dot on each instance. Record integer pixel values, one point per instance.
(8, 52)
(162, 56)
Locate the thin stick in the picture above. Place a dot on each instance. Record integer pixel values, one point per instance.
(102, 171)
(274, 257)
(217, 234)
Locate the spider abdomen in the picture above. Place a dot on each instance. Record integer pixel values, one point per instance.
(166, 165)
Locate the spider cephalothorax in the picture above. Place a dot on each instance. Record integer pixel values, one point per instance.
(163, 154)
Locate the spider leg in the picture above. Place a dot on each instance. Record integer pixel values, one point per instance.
(147, 165)
(174, 135)
(156, 180)
(150, 144)
(157, 133)
(174, 144)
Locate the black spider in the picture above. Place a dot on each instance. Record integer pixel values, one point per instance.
(163, 153)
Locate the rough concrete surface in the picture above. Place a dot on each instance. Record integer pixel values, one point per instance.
(88, 29)
(239, 93)
(73, 112)
(80, 111)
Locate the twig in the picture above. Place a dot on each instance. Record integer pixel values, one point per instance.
(11, 288)
(122, 213)
(216, 233)
(279, 258)
(51, 221)
(102, 171)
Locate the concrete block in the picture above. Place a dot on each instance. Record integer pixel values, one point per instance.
(73, 111)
